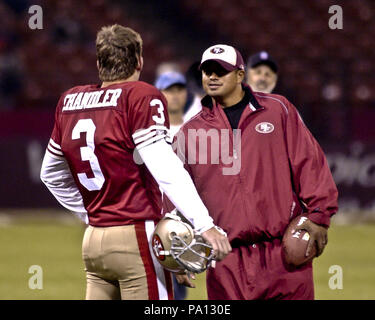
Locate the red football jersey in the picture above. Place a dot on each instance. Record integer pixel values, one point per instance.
(97, 130)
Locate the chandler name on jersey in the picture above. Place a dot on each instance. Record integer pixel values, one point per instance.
(94, 126)
(94, 99)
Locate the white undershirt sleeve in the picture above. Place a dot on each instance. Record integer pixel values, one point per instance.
(55, 174)
(176, 183)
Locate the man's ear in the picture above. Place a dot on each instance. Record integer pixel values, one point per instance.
(240, 76)
(274, 84)
(97, 64)
(140, 64)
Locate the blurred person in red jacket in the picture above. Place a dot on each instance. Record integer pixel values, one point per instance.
(256, 167)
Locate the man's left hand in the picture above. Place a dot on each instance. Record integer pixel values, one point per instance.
(318, 236)
(185, 279)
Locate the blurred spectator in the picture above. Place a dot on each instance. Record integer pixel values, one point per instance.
(173, 85)
(18, 6)
(195, 91)
(194, 80)
(68, 29)
(167, 67)
(262, 72)
(11, 66)
(11, 72)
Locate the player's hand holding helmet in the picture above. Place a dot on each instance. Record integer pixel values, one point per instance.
(218, 239)
(178, 248)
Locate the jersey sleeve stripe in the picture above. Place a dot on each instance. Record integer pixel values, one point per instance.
(54, 150)
(145, 137)
(54, 156)
(152, 140)
(54, 144)
(146, 131)
(169, 137)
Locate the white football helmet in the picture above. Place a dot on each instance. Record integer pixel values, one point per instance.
(178, 248)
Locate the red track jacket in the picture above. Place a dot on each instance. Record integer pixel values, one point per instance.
(255, 181)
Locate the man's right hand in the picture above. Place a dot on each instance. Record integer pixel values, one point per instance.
(219, 242)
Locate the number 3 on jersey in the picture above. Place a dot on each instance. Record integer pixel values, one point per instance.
(87, 154)
(158, 119)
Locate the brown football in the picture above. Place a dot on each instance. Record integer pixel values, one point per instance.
(295, 244)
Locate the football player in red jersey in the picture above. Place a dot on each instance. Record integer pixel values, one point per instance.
(261, 166)
(105, 161)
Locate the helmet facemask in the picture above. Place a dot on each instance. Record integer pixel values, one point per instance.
(195, 257)
(178, 248)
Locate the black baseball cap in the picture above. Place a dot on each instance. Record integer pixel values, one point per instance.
(262, 57)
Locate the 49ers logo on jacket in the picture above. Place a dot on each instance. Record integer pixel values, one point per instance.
(264, 127)
(158, 248)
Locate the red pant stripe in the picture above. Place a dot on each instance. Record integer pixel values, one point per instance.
(153, 293)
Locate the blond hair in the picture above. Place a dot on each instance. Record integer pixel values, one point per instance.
(118, 50)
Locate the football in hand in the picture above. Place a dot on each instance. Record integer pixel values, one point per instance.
(294, 244)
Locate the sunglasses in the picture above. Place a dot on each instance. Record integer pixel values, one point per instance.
(211, 67)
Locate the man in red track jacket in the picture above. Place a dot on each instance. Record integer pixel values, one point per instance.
(256, 166)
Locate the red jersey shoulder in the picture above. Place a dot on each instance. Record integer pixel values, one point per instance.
(139, 89)
(134, 94)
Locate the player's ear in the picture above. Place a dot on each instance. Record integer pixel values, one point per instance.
(140, 63)
(97, 64)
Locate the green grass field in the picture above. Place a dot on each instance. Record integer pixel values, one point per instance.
(54, 244)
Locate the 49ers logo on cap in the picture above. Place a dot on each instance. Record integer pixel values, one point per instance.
(158, 248)
(217, 50)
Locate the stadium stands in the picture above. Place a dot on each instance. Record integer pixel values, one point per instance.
(63, 53)
(320, 69)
